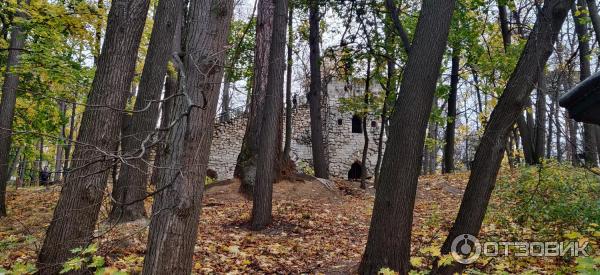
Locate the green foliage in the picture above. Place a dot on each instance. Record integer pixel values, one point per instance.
(19, 268)
(551, 199)
(386, 271)
(84, 258)
(588, 265)
(59, 42)
(240, 56)
(305, 168)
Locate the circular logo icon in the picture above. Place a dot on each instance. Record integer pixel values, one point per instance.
(465, 249)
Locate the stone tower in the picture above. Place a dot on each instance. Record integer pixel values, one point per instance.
(344, 134)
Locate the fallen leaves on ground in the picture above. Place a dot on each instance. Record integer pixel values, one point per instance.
(314, 230)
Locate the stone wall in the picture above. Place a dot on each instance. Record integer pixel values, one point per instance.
(226, 145)
(344, 147)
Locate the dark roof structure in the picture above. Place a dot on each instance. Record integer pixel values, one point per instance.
(583, 101)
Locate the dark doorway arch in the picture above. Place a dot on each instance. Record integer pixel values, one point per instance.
(355, 171)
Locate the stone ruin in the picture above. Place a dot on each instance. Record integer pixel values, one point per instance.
(343, 134)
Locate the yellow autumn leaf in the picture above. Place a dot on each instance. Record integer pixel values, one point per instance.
(416, 261)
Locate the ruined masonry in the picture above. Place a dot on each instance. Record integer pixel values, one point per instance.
(344, 135)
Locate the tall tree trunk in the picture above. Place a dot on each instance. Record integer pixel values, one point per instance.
(20, 173)
(83, 190)
(435, 148)
(389, 238)
(98, 32)
(40, 167)
(571, 125)
(176, 209)
(390, 88)
(171, 88)
(572, 141)
(365, 152)
(451, 124)
(540, 118)
(245, 168)
(60, 144)
(266, 172)
(551, 121)
(515, 137)
(13, 165)
(130, 188)
(425, 158)
(66, 164)
(490, 152)
(595, 18)
(526, 139)
(524, 123)
(288, 88)
(504, 26)
(320, 161)
(559, 148)
(509, 152)
(226, 99)
(165, 120)
(589, 142)
(7, 105)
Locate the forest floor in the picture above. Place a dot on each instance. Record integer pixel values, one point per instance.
(316, 229)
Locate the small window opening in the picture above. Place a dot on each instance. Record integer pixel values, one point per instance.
(355, 171)
(356, 124)
(373, 123)
(340, 121)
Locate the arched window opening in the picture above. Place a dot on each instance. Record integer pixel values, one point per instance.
(373, 123)
(340, 121)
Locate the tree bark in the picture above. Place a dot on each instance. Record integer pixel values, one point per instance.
(60, 145)
(559, 148)
(225, 99)
(389, 238)
(66, 164)
(390, 88)
(589, 142)
(391, 7)
(526, 139)
(40, 167)
(98, 32)
(540, 118)
(13, 165)
(593, 10)
(245, 168)
(572, 141)
(7, 105)
(490, 152)
(288, 88)
(551, 121)
(365, 152)
(266, 173)
(451, 124)
(176, 209)
(504, 27)
(77, 210)
(130, 188)
(320, 161)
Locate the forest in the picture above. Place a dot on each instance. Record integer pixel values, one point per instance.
(299, 137)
